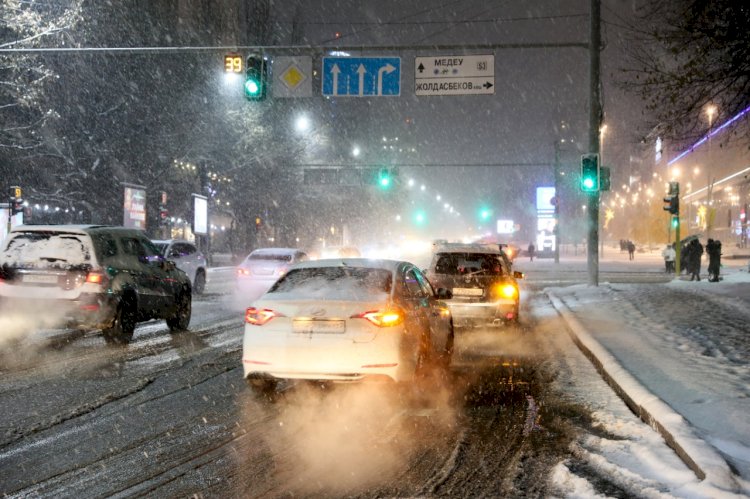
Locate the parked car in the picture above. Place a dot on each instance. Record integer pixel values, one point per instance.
(346, 320)
(93, 277)
(188, 258)
(257, 273)
(483, 285)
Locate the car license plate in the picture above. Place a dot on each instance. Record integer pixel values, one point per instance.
(468, 292)
(326, 327)
(40, 278)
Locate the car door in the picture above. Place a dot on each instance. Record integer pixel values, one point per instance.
(438, 314)
(418, 303)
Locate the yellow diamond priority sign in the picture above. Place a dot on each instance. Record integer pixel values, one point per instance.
(292, 76)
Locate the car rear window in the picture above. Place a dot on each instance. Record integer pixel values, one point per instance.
(276, 257)
(48, 250)
(335, 283)
(468, 263)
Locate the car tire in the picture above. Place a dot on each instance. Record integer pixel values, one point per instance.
(447, 356)
(123, 325)
(262, 388)
(181, 319)
(199, 285)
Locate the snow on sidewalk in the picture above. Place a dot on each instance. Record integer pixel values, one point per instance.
(686, 343)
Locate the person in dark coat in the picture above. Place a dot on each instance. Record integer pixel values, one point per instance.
(694, 259)
(531, 249)
(713, 248)
(631, 250)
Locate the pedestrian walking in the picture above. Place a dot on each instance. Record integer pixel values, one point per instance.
(669, 255)
(531, 249)
(631, 250)
(694, 259)
(713, 248)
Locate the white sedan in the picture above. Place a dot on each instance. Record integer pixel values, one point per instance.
(346, 320)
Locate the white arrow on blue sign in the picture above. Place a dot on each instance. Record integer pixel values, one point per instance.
(361, 76)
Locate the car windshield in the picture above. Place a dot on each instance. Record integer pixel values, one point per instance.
(468, 263)
(334, 283)
(47, 250)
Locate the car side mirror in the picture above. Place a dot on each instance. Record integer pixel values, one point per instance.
(517, 274)
(444, 294)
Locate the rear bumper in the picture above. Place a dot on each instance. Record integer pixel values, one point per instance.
(468, 314)
(87, 311)
(325, 358)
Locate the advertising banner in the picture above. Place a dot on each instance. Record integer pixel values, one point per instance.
(200, 215)
(134, 207)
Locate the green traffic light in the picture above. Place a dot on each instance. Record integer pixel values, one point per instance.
(420, 218)
(252, 88)
(384, 179)
(588, 183)
(675, 222)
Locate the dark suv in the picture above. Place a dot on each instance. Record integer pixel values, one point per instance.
(484, 286)
(92, 277)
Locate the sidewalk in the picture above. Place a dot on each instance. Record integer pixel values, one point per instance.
(677, 353)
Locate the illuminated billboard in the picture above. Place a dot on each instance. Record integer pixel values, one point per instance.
(134, 207)
(200, 215)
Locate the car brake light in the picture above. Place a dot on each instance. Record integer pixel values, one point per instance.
(382, 318)
(508, 291)
(260, 316)
(95, 278)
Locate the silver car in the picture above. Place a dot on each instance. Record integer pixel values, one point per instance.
(263, 267)
(188, 258)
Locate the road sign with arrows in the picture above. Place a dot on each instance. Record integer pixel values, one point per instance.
(361, 76)
(454, 75)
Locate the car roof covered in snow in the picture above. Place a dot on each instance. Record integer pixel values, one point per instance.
(71, 229)
(366, 263)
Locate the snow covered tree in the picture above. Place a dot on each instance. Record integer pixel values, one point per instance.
(25, 78)
(686, 54)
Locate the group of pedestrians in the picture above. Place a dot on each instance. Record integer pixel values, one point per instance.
(691, 258)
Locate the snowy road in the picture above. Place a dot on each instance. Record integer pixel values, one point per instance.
(169, 416)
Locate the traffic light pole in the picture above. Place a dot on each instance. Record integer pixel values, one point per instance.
(595, 115)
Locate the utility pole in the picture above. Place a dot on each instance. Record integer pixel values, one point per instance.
(595, 116)
(557, 201)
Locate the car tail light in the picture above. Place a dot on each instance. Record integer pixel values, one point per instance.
(260, 316)
(382, 318)
(507, 291)
(96, 278)
(241, 272)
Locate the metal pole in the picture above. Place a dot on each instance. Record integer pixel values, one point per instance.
(557, 202)
(595, 114)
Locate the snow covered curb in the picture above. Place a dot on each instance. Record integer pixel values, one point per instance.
(699, 456)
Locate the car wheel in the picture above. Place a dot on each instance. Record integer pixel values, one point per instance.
(199, 285)
(123, 326)
(447, 355)
(263, 388)
(181, 318)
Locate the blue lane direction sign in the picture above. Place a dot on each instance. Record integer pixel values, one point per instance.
(361, 76)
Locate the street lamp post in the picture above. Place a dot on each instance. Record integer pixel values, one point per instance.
(710, 111)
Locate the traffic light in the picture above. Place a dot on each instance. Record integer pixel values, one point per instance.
(675, 221)
(485, 214)
(255, 78)
(16, 200)
(258, 223)
(590, 173)
(672, 204)
(385, 179)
